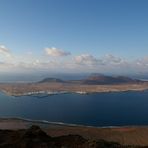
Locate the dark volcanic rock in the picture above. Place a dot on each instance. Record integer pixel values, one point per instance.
(31, 138)
(34, 137)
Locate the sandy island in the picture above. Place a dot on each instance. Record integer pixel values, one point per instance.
(18, 89)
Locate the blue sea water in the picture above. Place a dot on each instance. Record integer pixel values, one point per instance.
(99, 109)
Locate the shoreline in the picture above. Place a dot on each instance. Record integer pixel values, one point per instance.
(70, 124)
(46, 93)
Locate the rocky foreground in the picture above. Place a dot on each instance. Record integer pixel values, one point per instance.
(34, 137)
(14, 132)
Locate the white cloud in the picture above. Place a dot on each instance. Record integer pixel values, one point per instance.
(111, 59)
(6, 66)
(4, 51)
(81, 63)
(87, 59)
(142, 62)
(56, 52)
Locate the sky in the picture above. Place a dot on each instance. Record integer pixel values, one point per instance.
(74, 36)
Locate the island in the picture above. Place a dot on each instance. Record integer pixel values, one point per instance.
(92, 84)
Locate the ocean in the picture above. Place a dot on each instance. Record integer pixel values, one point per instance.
(98, 109)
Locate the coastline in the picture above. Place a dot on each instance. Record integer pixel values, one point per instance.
(29, 90)
(37, 93)
(69, 124)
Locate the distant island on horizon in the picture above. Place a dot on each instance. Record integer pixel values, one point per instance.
(94, 83)
(95, 79)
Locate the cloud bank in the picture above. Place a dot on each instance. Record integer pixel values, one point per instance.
(75, 63)
(86, 59)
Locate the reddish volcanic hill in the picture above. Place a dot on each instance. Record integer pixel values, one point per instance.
(95, 79)
(48, 80)
(102, 79)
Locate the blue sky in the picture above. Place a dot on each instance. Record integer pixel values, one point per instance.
(82, 35)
